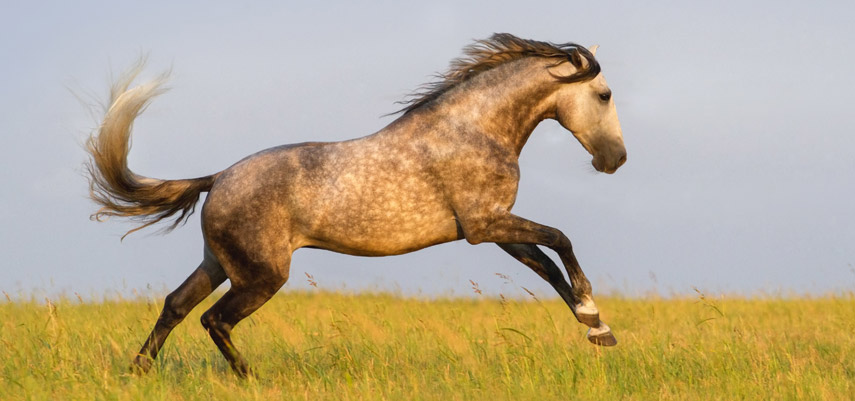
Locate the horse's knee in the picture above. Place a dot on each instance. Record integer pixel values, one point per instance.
(174, 311)
(214, 321)
(561, 241)
(208, 321)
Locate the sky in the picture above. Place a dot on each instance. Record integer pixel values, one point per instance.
(736, 117)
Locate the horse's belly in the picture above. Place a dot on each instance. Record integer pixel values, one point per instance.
(382, 233)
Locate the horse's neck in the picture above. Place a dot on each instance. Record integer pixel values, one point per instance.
(505, 103)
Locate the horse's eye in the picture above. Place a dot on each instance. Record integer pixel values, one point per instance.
(606, 96)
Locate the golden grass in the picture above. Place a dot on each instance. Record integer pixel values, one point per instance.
(318, 346)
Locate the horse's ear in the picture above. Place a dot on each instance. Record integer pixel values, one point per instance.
(593, 49)
(578, 60)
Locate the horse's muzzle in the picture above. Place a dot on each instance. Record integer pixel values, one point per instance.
(611, 165)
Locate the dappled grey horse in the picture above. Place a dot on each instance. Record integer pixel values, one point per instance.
(446, 169)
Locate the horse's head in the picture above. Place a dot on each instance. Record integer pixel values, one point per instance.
(586, 108)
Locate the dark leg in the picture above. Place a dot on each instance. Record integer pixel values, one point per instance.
(535, 259)
(207, 277)
(234, 306)
(511, 229)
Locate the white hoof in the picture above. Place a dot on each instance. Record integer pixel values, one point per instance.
(587, 313)
(589, 309)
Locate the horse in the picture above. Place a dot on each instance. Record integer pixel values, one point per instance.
(445, 169)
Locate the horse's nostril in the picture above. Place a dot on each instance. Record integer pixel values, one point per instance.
(622, 160)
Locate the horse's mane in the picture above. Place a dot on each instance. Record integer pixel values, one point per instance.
(499, 49)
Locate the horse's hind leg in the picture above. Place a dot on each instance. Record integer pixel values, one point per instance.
(244, 298)
(599, 333)
(207, 277)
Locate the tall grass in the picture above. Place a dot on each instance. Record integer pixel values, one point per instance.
(318, 346)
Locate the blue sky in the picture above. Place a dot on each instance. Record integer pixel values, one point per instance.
(736, 117)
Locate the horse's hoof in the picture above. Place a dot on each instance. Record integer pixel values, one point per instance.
(587, 313)
(141, 365)
(588, 319)
(244, 372)
(601, 336)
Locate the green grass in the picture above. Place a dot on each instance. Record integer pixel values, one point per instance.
(318, 346)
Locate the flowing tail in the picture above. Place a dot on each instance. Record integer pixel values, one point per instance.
(118, 190)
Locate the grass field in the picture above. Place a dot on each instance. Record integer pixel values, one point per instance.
(318, 346)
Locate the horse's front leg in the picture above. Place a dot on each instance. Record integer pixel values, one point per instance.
(520, 237)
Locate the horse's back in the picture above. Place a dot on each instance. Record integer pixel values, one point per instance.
(363, 197)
